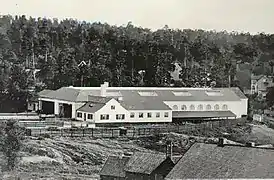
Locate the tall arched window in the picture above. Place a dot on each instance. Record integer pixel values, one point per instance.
(183, 107)
(200, 107)
(208, 107)
(175, 107)
(192, 107)
(216, 107)
(224, 107)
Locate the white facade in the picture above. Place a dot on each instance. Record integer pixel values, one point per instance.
(113, 112)
(33, 106)
(239, 108)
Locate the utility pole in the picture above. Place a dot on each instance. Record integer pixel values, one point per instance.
(82, 65)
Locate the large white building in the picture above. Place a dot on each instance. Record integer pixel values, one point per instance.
(101, 105)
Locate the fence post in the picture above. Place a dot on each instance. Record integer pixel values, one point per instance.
(83, 132)
(102, 132)
(61, 130)
(91, 132)
(112, 133)
(71, 132)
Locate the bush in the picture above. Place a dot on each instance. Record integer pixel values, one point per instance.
(11, 136)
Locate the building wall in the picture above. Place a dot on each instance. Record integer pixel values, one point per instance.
(33, 106)
(162, 171)
(74, 105)
(87, 117)
(127, 114)
(118, 109)
(239, 108)
(153, 118)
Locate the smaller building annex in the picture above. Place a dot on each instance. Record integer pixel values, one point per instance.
(140, 165)
(210, 161)
(114, 168)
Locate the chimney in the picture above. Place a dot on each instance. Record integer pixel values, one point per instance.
(169, 146)
(221, 142)
(104, 89)
(250, 144)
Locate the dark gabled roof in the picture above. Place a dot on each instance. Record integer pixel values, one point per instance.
(114, 166)
(91, 107)
(130, 95)
(208, 161)
(70, 94)
(168, 95)
(144, 163)
(98, 99)
(202, 114)
(144, 104)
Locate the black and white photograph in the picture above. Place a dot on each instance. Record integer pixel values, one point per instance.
(136, 89)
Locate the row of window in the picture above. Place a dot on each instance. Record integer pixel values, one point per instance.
(132, 115)
(149, 115)
(80, 115)
(122, 116)
(200, 107)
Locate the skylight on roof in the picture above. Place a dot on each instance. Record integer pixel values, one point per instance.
(181, 93)
(114, 94)
(214, 93)
(147, 93)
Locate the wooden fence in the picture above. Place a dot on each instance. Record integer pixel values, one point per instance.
(205, 128)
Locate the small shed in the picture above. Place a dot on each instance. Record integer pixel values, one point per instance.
(140, 165)
(148, 166)
(113, 168)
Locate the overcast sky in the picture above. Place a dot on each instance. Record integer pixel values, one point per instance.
(232, 15)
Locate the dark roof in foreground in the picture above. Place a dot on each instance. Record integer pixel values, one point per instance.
(202, 114)
(114, 166)
(144, 163)
(210, 161)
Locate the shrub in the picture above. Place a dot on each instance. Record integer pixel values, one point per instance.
(11, 136)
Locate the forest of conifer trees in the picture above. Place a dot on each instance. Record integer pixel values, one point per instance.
(118, 55)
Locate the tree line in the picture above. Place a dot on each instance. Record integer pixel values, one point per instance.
(124, 55)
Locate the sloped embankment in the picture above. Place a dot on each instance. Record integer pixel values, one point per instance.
(67, 158)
